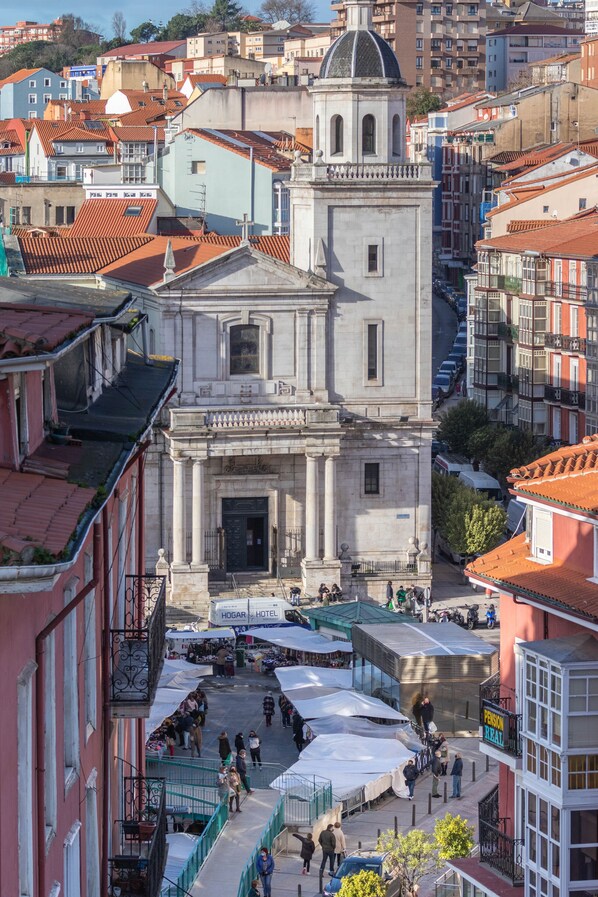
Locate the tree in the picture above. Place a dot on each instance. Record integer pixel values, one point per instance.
(454, 837)
(458, 424)
(474, 525)
(288, 10)
(421, 101)
(119, 26)
(226, 15)
(412, 856)
(511, 448)
(144, 33)
(364, 884)
(179, 27)
(444, 490)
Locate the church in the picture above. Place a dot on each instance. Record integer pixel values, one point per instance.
(300, 436)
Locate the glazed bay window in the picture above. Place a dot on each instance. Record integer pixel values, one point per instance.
(582, 772)
(583, 854)
(583, 709)
(543, 837)
(542, 711)
(244, 349)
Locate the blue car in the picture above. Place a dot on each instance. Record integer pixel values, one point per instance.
(368, 861)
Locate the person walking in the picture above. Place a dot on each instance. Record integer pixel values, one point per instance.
(389, 596)
(224, 748)
(195, 739)
(253, 890)
(416, 707)
(341, 844)
(255, 749)
(285, 711)
(268, 705)
(327, 842)
(308, 847)
(170, 736)
(239, 742)
(298, 730)
(241, 764)
(202, 706)
(221, 655)
(436, 771)
(410, 774)
(265, 869)
(427, 714)
(234, 790)
(456, 773)
(223, 783)
(187, 726)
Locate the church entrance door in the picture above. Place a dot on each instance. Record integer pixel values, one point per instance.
(245, 521)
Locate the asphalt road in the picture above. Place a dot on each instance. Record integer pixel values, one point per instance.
(444, 329)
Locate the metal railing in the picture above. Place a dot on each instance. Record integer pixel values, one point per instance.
(361, 566)
(502, 853)
(566, 290)
(273, 828)
(305, 798)
(571, 397)
(507, 382)
(137, 649)
(203, 846)
(138, 866)
(490, 689)
(564, 342)
(204, 772)
(214, 548)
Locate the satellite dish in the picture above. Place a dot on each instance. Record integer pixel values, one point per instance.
(268, 68)
(486, 116)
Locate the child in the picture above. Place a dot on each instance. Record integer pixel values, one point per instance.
(253, 890)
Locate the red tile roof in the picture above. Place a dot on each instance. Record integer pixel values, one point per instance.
(109, 216)
(516, 227)
(153, 112)
(265, 151)
(522, 193)
(34, 330)
(19, 76)
(138, 133)
(152, 48)
(70, 255)
(572, 238)
(274, 245)
(39, 511)
(11, 137)
(564, 461)
(205, 78)
(51, 131)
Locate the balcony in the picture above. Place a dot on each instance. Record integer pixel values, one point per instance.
(508, 382)
(505, 282)
(510, 332)
(137, 865)
(566, 343)
(137, 649)
(566, 290)
(571, 398)
(498, 850)
(500, 727)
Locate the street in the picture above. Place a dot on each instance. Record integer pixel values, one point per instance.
(444, 329)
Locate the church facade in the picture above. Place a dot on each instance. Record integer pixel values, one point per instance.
(301, 433)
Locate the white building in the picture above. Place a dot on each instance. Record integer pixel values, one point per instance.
(302, 427)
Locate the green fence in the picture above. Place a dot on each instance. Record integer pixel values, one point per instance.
(204, 772)
(204, 844)
(273, 828)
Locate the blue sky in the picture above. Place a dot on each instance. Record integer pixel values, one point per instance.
(135, 11)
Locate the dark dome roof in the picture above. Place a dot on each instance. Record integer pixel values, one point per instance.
(360, 54)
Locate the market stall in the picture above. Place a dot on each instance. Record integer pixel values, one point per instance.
(294, 645)
(345, 703)
(354, 725)
(290, 678)
(199, 646)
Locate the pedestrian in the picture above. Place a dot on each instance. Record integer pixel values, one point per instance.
(341, 844)
(283, 703)
(427, 714)
(265, 868)
(222, 783)
(298, 730)
(239, 742)
(255, 748)
(221, 655)
(253, 890)
(241, 764)
(187, 726)
(202, 706)
(224, 748)
(410, 774)
(323, 592)
(268, 705)
(457, 772)
(196, 739)
(308, 847)
(389, 596)
(416, 707)
(234, 790)
(436, 771)
(441, 744)
(180, 727)
(170, 736)
(327, 842)
(401, 597)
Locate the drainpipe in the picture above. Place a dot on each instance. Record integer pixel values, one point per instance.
(40, 703)
(106, 727)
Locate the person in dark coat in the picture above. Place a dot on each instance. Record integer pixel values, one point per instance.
(308, 846)
(170, 736)
(239, 742)
(410, 774)
(224, 747)
(417, 709)
(285, 709)
(241, 764)
(436, 773)
(269, 708)
(427, 714)
(298, 731)
(327, 842)
(457, 772)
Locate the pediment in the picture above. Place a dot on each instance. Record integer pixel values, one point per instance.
(246, 270)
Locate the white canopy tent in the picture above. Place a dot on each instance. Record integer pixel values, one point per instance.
(192, 635)
(346, 703)
(299, 639)
(299, 677)
(177, 679)
(353, 725)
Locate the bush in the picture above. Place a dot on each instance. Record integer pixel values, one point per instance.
(454, 837)
(412, 856)
(365, 884)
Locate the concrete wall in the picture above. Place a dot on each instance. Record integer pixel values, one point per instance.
(42, 199)
(129, 74)
(250, 108)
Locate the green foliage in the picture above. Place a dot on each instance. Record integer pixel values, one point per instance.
(511, 448)
(179, 27)
(365, 884)
(469, 522)
(78, 43)
(454, 837)
(412, 856)
(421, 101)
(459, 423)
(444, 489)
(484, 527)
(226, 14)
(144, 33)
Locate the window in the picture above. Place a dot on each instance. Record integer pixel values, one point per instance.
(574, 322)
(50, 785)
(545, 210)
(557, 315)
(542, 534)
(100, 147)
(63, 84)
(372, 258)
(582, 772)
(419, 43)
(336, 134)
(244, 349)
(71, 693)
(47, 82)
(133, 211)
(371, 478)
(448, 44)
(198, 166)
(80, 148)
(47, 97)
(25, 739)
(582, 204)
(32, 99)
(372, 352)
(583, 854)
(33, 83)
(419, 62)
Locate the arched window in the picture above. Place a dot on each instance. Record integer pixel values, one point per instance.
(397, 140)
(245, 349)
(368, 135)
(336, 134)
(317, 141)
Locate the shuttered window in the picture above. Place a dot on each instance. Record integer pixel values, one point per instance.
(542, 534)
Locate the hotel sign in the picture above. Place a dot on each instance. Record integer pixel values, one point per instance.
(495, 726)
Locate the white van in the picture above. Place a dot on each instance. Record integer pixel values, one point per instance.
(482, 482)
(451, 465)
(244, 613)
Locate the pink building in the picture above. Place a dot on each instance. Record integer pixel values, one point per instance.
(25, 32)
(81, 623)
(538, 829)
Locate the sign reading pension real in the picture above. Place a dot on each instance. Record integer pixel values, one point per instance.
(494, 725)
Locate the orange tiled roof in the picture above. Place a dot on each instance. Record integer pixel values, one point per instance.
(49, 131)
(205, 78)
(152, 48)
(579, 491)
(277, 246)
(33, 330)
(572, 238)
(19, 76)
(535, 188)
(564, 461)
(137, 133)
(69, 255)
(265, 151)
(515, 227)
(39, 511)
(109, 216)
(509, 566)
(11, 137)
(153, 112)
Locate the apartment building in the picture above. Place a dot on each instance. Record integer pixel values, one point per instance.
(510, 51)
(440, 45)
(25, 32)
(213, 44)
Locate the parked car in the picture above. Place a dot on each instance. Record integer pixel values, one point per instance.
(364, 860)
(450, 367)
(445, 384)
(459, 359)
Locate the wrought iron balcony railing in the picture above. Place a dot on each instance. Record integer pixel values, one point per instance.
(498, 850)
(139, 845)
(501, 728)
(566, 290)
(573, 398)
(509, 332)
(137, 648)
(564, 342)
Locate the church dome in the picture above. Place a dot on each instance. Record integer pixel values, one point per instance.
(360, 54)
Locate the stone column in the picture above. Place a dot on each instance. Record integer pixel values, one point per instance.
(302, 355)
(312, 527)
(179, 550)
(330, 508)
(197, 556)
(319, 355)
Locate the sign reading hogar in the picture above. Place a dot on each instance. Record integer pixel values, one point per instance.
(494, 726)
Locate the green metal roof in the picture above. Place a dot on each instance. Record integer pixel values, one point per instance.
(353, 612)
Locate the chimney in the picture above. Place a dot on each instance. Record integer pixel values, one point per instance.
(165, 91)
(169, 263)
(145, 86)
